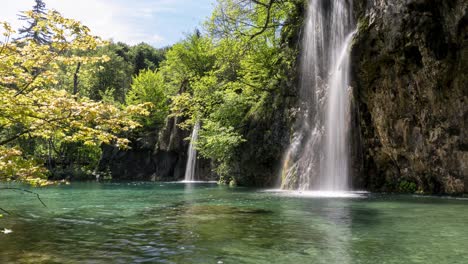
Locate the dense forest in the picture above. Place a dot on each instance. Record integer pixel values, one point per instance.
(65, 92)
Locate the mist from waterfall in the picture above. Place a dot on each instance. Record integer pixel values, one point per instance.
(318, 157)
(192, 155)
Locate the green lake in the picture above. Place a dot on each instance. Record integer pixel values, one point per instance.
(207, 223)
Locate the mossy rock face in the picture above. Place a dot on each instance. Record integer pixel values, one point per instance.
(410, 86)
(407, 187)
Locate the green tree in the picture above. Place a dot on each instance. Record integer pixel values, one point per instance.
(148, 87)
(145, 57)
(36, 27)
(225, 92)
(111, 77)
(31, 108)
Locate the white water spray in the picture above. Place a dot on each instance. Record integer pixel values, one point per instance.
(192, 155)
(318, 158)
(335, 167)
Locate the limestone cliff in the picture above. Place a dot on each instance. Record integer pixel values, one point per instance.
(159, 155)
(410, 70)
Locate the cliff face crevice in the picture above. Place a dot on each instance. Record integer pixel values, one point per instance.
(410, 87)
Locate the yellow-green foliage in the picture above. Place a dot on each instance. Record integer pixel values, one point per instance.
(30, 107)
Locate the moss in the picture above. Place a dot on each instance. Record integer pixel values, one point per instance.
(407, 187)
(363, 24)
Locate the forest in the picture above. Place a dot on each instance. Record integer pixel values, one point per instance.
(65, 92)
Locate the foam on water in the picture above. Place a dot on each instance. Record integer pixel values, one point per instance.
(320, 194)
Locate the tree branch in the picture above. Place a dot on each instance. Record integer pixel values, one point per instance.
(26, 191)
(5, 211)
(267, 20)
(39, 72)
(6, 141)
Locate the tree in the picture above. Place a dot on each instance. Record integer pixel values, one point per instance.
(248, 18)
(148, 87)
(37, 24)
(112, 78)
(231, 75)
(30, 107)
(146, 57)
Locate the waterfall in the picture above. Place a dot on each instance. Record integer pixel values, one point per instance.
(335, 168)
(192, 155)
(318, 156)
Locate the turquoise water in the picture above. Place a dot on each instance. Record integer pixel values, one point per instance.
(206, 223)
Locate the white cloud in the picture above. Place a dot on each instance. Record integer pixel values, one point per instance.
(110, 19)
(157, 22)
(157, 38)
(131, 22)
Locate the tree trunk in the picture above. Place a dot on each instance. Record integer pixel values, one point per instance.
(75, 78)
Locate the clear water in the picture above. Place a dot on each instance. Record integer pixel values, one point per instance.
(206, 223)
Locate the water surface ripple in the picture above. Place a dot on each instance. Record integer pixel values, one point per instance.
(206, 223)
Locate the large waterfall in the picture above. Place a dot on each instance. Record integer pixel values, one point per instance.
(318, 156)
(192, 155)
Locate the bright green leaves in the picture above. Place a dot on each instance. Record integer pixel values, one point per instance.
(218, 142)
(27, 65)
(222, 80)
(247, 19)
(51, 113)
(148, 87)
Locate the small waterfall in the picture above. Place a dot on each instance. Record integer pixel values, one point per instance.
(317, 158)
(192, 155)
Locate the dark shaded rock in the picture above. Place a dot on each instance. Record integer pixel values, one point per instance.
(170, 152)
(266, 138)
(156, 156)
(409, 70)
(135, 163)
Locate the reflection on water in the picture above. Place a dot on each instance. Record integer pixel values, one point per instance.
(338, 232)
(207, 223)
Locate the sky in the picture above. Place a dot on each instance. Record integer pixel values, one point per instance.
(157, 22)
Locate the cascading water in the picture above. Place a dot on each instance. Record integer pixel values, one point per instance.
(192, 155)
(317, 158)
